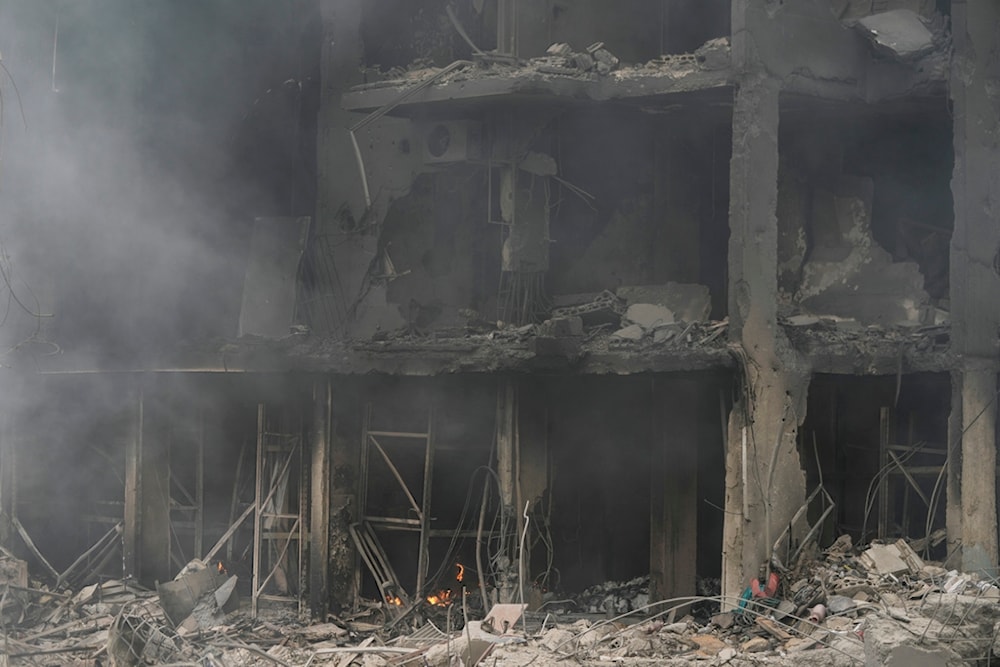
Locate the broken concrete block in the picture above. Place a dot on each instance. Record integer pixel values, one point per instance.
(898, 33)
(909, 556)
(724, 620)
(689, 302)
(649, 316)
(887, 642)
(631, 332)
(884, 559)
(713, 54)
(607, 62)
(538, 164)
(559, 49)
(709, 646)
(584, 61)
(562, 326)
(755, 645)
(13, 571)
(665, 333)
(848, 273)
(839, 604)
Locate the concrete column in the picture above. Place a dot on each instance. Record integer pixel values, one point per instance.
(673, 540)
(765, 484)
(154, 490)
(975, 285)
(507, 467)
(319, 499)
(345, 461)
(133, 482)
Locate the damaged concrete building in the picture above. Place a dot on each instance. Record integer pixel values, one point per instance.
(590, 292)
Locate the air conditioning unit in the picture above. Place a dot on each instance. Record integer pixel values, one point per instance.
(450, 141)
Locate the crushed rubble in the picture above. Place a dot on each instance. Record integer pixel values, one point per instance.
(879, 604)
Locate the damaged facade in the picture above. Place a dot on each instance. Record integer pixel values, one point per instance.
(655, 293)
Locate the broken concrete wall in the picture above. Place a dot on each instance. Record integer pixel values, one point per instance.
(438, 241)
(862, 247)
(848, 274)
(802, 43)
(351, 209)
(658, 207)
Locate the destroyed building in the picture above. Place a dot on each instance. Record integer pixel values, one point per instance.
(569, 293)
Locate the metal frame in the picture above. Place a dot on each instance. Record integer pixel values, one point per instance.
(370, 440)
(279, 457)
(895, 467)
(187, 509)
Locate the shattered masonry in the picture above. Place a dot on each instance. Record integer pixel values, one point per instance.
(660, 331)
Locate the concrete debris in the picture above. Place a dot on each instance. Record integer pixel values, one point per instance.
(689, 302)
(606, 61)
(892, 559)
(631, 332)
(846, 610)
(714, 54)
(649, 316)
(562, 326)
(604, 308)
(848, 273)
(899, 33)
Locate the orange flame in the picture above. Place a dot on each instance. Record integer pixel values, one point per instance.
(440, 599)
(461, 572)
(222, 569)
(396, 601)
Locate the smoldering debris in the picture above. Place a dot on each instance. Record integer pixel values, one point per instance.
(846, 606)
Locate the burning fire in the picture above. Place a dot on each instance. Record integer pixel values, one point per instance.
(440, 599)
(461, 572)
(221, 567)
(396, 601)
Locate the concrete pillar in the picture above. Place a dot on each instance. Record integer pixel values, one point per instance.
(345, 461)
(673, 539)
(975, 285)
(319, 499)
(154, 490)
(507, 466)
(765, 484)
(133, 483)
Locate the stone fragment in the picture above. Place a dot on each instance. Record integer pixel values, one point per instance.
(562, 326)
(713, 54)
(649, 316)
(755, 645)
(689, 302)
(631, 332)
(839, 604)
(556, 638)
(726, 654)
(678, 628)
(709, 646)
(884, 559)
(724, 620)
(898, 33)
(801, 320)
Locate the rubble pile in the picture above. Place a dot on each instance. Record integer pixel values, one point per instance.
(120, 624)
(878, 605)
(614, 597)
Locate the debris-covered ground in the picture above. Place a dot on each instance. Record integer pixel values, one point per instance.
(880, 605)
